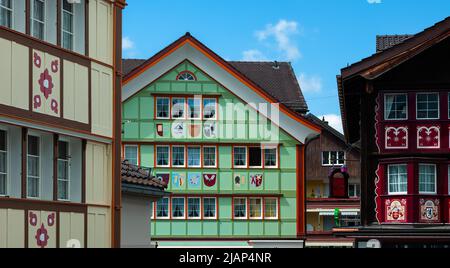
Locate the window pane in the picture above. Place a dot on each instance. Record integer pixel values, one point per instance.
(63, 190)
(240, 207)
(395, 106)
(326, 158)
(194, 156)
(63, 170)
(177, 156)
(162, 156)
(209, 156)
(240, 156)
(5, 13)
(209, 207)
(63, 150)
(3, 143)
(428, 106)
(178, 107)
(209, 108)
(270, 157)
(178, 207)
(427, 178)
(162, 208)
(67, 6)
(3, 163)
(398, 179)
(162, 108)
(131, 154)
(255, 157)
(255, 208)
(194, 108)
(33, 145)
(3, 185)
(194, 207)
(270, 208)
(33, 187)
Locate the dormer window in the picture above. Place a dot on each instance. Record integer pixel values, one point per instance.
(186, 76)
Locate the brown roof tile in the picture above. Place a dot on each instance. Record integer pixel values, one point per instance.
(387, 41)
(139, 176)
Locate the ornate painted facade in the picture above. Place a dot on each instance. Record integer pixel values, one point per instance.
(233, 165)
(59, 128)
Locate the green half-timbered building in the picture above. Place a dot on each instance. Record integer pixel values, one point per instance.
(228, 137)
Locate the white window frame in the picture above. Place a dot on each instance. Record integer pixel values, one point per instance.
(215, 108)
(250, 208)
(276, 208)
(194, 78)
(12, 13)
(249, 155)
(276, 156)
(168, 155)
(184, 208)
(131, 146)
(33, 20)
(356, 187)
(39, 166)
(435, 178)
(68, 171)
(215, 156)
(72, 14)
(199, 208)
(234, 208)
(234, 157)
(200, 113)
(173, 158)
(200, 157)
(389, 180)
(168, 209)
(330, 161)
(386, 115)
(438, 102)
(7, 162)
(169, 111)
(172, 107)
(215, 208)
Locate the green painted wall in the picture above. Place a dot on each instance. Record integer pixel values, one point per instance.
(235, 127)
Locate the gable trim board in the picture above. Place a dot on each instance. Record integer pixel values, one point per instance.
(188, 48)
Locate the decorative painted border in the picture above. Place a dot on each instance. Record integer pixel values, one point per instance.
(396, 129)
(420, 128)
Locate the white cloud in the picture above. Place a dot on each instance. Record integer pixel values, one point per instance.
(310, 84)
(334, 120)
(253, 55)
(282, 33)
(127, 43)
(374, 1)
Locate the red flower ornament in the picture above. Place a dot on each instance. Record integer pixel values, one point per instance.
(54, 106)
(55, 66)
(37, 60)
(33, 219)
(37, 102)
(42, 237)
(51, 220)
(46, 83)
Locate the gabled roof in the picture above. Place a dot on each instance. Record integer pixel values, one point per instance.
(379, 63)
(280, 82)
(233, 79)
(327, 127)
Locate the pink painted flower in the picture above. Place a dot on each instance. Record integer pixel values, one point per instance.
(55, 66)
(46, 83)
(42, 237)
(54, 106)
(33, 219)
(37, 102)
(37, 60)
(51, 220)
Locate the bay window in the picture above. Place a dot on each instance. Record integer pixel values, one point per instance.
(209, 156)
(194, 207)
(194, 156)
(255, 208)
(397, 179)
(3, 163)
(427, 179)
(395, 106)
(178, 158)
(240, 156)
(240, 208)
(162, 208)
(178, 207)
(33, 167)
(209, 208)
(63, 171)
(6, 13)
(131, 154)
(270, 157)
(427, 106)
(271, 208)
(162, 156)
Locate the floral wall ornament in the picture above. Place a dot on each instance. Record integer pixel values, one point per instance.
(54, 106)
(51, 220)
(396, 138)
(55, 66)
(428, 137)
(37, 102)
(42, 237)
(37, 60)
(32, 219)
(46, 83)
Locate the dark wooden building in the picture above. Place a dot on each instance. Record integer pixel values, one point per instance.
(329, 154)
(396, 104)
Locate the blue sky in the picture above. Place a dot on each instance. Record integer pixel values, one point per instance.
(319, 37)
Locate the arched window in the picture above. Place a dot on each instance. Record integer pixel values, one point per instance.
(186, 76)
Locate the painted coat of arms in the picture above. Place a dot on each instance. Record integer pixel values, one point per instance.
(209, 180)
(429, 210)
(396, 210)
(256, 180)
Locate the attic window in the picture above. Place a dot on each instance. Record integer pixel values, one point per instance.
(186, 76)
